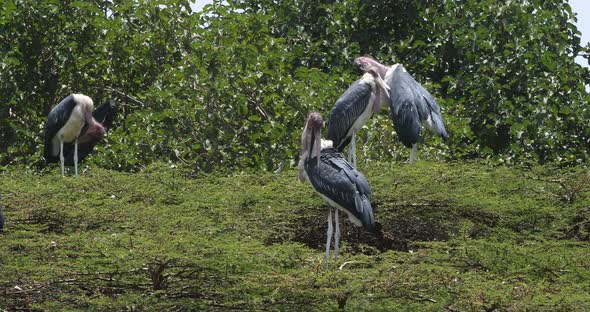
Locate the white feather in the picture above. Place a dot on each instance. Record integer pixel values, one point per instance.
(71, 129)
(327, 144)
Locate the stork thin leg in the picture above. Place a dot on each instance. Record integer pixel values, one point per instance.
(76, 156)
(330, 232)
(354, 148)
(349, 153)
(413, 153)
(61, 157)
(350, 149)
(336, 236)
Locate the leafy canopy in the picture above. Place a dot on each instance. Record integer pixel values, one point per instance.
(230, 86)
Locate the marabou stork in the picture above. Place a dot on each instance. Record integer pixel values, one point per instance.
(65, 123)
(335, 180)
(353, 109)
(104, 115)
(411, 105)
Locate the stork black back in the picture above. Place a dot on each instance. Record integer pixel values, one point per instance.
(56, 119)
(406, 94)
(347, 109)
(339, 181)
(411, 105)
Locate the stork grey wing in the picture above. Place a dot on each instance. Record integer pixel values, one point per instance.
(435, 124)
(336, 180)
(404, 113)
(352, 173)
(56, 119)
(350, 111)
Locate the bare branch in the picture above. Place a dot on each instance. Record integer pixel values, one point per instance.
(127, 96)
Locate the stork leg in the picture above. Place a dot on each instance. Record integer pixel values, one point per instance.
(76, 156)
(336, 236)
(413, 153)
(330, 232)
(61, 157)
(352, 150)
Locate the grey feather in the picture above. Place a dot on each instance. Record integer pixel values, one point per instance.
(339, 181)
(345, 112)
(411, 105)
(56, 119)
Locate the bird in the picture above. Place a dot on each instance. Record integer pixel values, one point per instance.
(64, 125)
(411, 105)
(353, 109)
(338, 182)
(105, 115)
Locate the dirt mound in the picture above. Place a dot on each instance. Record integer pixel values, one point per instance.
(400, 226)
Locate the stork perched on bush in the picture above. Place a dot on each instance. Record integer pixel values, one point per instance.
(335, 180)
(411, 105)
(354, 108)
(71, 121)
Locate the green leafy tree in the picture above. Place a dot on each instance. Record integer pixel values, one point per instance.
(504, 72)
(230, 86)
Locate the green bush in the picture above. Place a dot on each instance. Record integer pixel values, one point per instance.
(230, 86)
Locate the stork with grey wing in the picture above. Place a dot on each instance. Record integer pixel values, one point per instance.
(411, 105)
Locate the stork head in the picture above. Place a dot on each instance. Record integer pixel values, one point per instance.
(311, 139)
(97, 130)
(93, 130)
(369, 65)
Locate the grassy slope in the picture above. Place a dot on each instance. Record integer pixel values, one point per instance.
(468, 237)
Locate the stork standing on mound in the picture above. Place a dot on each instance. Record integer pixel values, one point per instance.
(335, 180)
(411, 105)
(354, 108)
(64, 125)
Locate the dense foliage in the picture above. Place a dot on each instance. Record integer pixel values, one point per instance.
(229, 86)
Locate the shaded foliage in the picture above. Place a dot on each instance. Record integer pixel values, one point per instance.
(229, 86)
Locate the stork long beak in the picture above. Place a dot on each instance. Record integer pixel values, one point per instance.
(306, 140)
(317, 144)
(306, 137)
(301, 172)
(382, 92)
(382, 84)
(311, 140)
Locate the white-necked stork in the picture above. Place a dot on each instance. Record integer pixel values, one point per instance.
(104, 115)
(353, 109)
(411, 105)
(65, 123)
(335, 180)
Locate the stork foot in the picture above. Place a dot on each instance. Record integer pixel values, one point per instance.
(409, 161)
